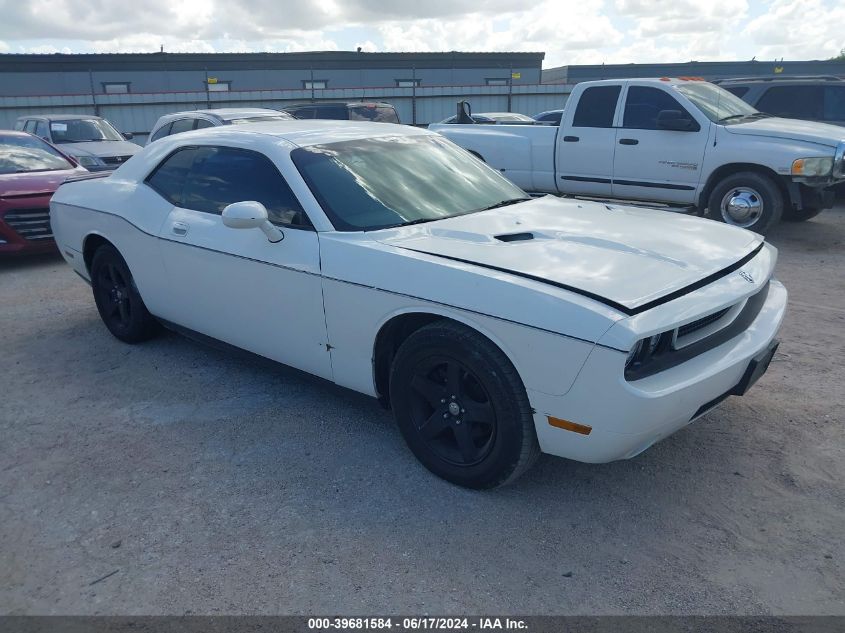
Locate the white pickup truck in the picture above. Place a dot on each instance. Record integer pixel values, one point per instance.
(681, 142)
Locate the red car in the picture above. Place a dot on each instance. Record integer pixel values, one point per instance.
(30, 172)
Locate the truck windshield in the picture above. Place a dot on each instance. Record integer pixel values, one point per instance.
(376, 183)
(716, 103)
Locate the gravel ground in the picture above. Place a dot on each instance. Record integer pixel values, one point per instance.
(175, 478)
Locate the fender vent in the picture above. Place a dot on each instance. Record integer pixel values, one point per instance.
(515, 237)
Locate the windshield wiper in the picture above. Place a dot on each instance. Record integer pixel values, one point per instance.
(732, 117)
(505, 203)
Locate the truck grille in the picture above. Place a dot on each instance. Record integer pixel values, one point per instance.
(30, 224)
(115, 160)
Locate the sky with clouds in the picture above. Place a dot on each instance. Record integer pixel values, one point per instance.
(568, 31)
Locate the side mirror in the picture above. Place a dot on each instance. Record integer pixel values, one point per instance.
(251, 215)
(128, 136)
(464, 113)
(677, 121)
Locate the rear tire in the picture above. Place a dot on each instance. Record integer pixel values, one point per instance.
(462, 407)
(748, 200)
(120, 305)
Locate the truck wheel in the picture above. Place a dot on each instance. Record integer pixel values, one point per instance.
(118, 301)
(748, 200)
(461, 407)
(794, 215)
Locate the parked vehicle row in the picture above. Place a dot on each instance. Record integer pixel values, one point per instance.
(682, 142)
(496, 326)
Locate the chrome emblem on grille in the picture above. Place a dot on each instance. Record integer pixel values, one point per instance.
(746, 276)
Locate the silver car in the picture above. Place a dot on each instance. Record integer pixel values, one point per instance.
(91, 140)
(178, 122)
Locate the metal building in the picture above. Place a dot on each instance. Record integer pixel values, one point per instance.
(86, 74)
(708, 70)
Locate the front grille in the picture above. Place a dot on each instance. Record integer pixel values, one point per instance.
(30, 224)
(703, 322)
(115, 160)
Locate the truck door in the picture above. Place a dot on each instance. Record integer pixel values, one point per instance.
(586, 142)
(659, 147)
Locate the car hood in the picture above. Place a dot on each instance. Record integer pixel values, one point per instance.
(100, 148)
(792, 129)
(35, 183)
(626, 257)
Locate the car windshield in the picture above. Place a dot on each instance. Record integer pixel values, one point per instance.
(83, 130)
(716, 103)
(22, 154)
(372, 112)
(375, 183)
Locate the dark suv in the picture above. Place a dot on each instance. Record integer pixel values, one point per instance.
(810, 98)
(378, 112)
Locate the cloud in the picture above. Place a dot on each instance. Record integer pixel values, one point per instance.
(568, 31)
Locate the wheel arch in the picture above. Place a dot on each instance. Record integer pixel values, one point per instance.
(396, 329)
(729, 169)
(90, 244)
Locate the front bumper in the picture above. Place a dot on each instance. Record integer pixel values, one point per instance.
(628, 417)
(26, 231)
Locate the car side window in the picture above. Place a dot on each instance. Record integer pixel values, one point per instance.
(303, 113)
(168, 179)
(203, 123)
(834, 103)
(30, 126)
(643, 104)
(738, 91)
(596, 107)
(337, 113)
(801, 102)
(161, 132)
(42, 130)
(181, 125)
(219, 176)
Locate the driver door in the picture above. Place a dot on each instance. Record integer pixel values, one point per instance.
(652, 163)
(234, 285)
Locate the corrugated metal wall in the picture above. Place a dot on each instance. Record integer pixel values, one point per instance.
(137, 113)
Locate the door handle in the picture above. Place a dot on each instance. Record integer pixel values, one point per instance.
(571, 139)
(628, 141)
(179, 228)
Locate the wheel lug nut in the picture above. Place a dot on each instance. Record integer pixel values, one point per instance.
(463, 410)
(445, 415)
(442, 400)
(454, 398)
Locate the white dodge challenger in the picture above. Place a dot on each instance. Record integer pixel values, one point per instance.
(389, 261)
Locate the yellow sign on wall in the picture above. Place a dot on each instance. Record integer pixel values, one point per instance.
(516, 75)
(212, 80)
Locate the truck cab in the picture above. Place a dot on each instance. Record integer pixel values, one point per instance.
(682, 142)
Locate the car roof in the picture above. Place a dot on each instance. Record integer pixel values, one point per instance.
(64, 117)
(325, 104)
(15, 133)
(778, 80)
(227, 114)
(302, 132)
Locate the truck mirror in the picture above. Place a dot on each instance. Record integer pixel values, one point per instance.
(464, 112)
(677, 121)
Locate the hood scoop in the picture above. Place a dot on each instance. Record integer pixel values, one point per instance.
(515, 237)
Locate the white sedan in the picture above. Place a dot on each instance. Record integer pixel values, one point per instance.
(386, 259)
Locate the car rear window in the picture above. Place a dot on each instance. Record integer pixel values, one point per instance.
(372, 112)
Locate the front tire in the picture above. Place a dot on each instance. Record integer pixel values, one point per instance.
(120, 305)
(748, 200)
(462, 407)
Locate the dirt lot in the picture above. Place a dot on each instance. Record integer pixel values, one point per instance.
(175, 478)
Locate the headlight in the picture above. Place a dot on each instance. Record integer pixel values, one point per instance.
(811, 167)
(88, 161)
(645, 349)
